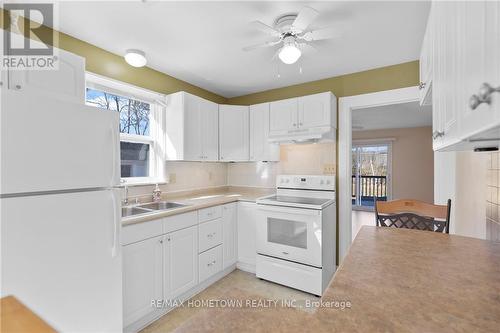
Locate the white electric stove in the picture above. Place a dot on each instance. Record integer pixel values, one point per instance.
(296, 233)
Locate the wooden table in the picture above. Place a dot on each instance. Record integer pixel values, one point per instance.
(15, 317)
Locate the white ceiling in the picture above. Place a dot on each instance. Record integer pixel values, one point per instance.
(201, 42)
(403, 115)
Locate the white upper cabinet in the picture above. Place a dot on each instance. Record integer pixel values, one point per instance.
(465, 64)
(426, 64)
(260, 148)
(233, 133)
(303, 116)
(283, 116)
(192, 128)
(316, 111)
(67, 82)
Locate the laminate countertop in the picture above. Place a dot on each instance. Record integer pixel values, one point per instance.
(392, 280)
(199, 199)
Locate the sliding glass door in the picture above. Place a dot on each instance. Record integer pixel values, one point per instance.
(371, 174)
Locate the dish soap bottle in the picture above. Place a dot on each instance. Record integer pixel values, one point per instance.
(156, 194)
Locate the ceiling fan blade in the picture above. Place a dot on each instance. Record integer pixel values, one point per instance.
(326, 33)
(307, 48)
(261, 45)
(306, 16)
(265, 28)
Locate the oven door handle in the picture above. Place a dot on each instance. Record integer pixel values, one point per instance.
(289, 210)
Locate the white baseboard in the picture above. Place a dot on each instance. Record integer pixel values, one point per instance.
(146, 320)
(250, 268)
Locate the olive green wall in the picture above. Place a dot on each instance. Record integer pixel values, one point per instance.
(379, 79)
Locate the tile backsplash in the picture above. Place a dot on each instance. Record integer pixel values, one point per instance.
(493, 198)
(313, 159)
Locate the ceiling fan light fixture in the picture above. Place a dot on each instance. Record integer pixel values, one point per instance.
(289, 53)
(136, 58)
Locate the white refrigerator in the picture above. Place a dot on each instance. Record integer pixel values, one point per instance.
(60, 213)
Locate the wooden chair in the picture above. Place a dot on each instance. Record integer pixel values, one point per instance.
(413, 214)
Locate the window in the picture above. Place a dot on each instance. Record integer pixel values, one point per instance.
(139, 126)
(371, 164)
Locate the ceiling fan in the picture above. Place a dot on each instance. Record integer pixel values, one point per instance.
(291, 34)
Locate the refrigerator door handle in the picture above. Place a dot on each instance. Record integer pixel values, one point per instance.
(114, 148)
(115, 225)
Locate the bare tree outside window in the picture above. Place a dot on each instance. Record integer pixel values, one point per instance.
(134, 114)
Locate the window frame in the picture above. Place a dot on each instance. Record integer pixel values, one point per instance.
(156, 124)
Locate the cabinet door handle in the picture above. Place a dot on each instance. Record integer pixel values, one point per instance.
(437, 134)
(485, 92)
(161, 241)
(18, 87)
(300, 124)
(483, 96)
(421, 85)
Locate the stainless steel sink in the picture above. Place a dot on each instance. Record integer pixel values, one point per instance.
(162, 205)
(129, 211)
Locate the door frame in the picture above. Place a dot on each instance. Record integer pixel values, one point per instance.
(346, 106)
(379, 142)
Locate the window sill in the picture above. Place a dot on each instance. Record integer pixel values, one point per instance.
(132, 183)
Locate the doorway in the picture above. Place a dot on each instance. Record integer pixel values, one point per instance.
(371, 174)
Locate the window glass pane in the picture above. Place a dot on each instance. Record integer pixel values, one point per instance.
(134, 159)
(134, 114)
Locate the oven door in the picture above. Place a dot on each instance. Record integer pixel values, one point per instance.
(290, 233)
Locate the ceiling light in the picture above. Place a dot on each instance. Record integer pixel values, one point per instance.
(136, 58)
(289, 53)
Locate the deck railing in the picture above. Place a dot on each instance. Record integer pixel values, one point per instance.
(370, 187)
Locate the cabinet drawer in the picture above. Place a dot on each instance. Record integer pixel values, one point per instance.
(140, 231)
(209, 213)
(177, 222)
(209, 235)
(210, 263)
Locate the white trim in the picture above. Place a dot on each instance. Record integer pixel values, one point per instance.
(346, 105)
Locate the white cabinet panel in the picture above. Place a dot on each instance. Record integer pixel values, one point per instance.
(210, 130)
(209, 235)
(247, 217)
(260, 148)
(180, 261)
(193, 135)
(210, 263)
(465, 55)
(230, 234)
(142, 278)
(315, 110)
(191, 128)
(66, 83)
(426, 63)
(233, 132)
(283, 116)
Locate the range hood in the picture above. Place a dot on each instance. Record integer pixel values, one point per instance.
(306, 135)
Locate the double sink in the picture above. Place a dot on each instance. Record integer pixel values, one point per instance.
(150, 208)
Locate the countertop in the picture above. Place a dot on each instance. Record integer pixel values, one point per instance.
(16, 318)
(199, 199)
(395, 280)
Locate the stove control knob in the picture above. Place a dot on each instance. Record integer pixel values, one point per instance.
(328, 182)
(322, 182)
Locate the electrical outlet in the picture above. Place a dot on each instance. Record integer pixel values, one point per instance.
(328, 169)
(172, 177)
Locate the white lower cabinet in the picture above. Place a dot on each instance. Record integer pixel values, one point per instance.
(142, 278)
(180, 254)
(247, 217)
(172, 257)
(230, 235)
(210, 263)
